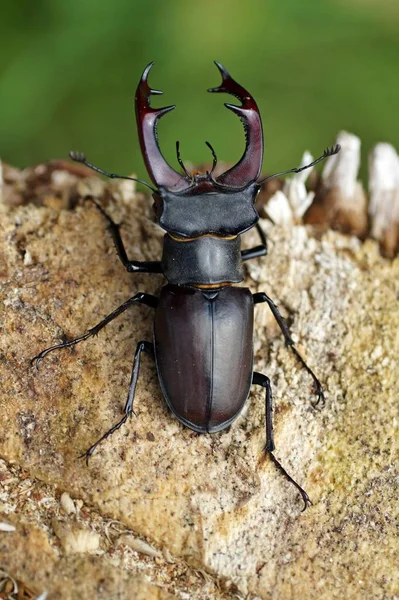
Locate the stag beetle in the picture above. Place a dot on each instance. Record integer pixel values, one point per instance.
(203, 327)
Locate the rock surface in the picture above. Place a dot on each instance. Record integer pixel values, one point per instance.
(223, 523)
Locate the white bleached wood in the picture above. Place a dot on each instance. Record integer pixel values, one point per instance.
(279, 210)
(287, 206)
(295, 189)
(341, 170)
(384, 189)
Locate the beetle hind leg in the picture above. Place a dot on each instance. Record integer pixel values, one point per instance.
(128, 410)
(262, 297)
(264, 381)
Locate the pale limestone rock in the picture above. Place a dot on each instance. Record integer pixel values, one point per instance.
(33, 565)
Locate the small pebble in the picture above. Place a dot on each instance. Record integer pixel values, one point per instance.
(138, 545)
(7, 527)
(67, 504)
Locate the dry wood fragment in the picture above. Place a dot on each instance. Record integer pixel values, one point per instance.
(288, 206)
(340, 200)
(384, 197)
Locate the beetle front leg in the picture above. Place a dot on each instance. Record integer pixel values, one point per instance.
(262, 297)
(132, 266)
(140, 298)
(264, 381)
(128, 410)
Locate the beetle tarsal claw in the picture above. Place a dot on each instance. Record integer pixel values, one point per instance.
(306, 500)
(86, 455)
(35, 361)
(321, 399)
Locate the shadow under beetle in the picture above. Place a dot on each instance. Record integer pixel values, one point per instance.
(203, 327)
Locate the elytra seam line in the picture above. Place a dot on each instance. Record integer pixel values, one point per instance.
(210, 403)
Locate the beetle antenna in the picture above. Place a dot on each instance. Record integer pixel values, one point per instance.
(215, 158)
(179, 160)
(81, 158)
(327, 152)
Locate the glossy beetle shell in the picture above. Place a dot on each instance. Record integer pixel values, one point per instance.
(204, 353)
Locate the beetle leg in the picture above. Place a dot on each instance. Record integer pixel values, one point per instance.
(264, 381)
(141, 298)
(262, 297)
(132, 266)
(257, 250)
(128, 410)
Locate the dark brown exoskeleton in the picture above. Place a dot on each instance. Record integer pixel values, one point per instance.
(203, 327)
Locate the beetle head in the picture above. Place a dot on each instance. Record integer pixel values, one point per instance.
(193, 205)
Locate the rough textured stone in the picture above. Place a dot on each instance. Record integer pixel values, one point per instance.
(205, 501)
(28, 556)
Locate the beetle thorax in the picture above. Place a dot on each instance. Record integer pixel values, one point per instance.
(193, 213)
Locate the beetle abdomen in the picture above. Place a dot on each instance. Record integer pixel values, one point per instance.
(204, 353)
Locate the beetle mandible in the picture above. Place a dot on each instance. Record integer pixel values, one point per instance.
(203, 327)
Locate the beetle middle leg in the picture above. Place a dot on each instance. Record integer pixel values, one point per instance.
(128, 410)
(262, 297)
(141, 298)
(264, 381)
(257, 251)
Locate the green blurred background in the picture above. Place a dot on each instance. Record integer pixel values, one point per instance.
(69, 70)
